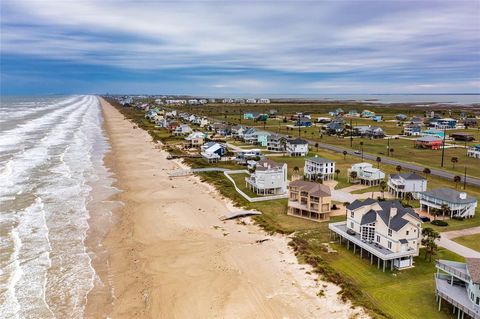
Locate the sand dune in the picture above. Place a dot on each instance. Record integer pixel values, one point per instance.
(169, 255)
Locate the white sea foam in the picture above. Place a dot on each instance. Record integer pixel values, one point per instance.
(47, 168)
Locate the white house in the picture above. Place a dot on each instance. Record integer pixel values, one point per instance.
(269, 178)
(182, 129)
(382, 230)
(319, 167)
(459, 203)
(251, 101)
(195, 139)
(474, 151)
(297, 147)
(212, 151)
(367, 174)
(400, 185)
(263, 101)
(459, 284)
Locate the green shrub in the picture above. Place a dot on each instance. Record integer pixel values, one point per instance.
(458, 217)
(439, 223)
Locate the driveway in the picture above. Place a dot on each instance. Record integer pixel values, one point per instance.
(446, 242)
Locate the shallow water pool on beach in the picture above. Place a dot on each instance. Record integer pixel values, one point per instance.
(51, 158)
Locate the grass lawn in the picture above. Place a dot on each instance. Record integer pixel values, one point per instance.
(470, 241)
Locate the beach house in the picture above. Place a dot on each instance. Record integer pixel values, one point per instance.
(213, 151)
(399, 185)
(474, 151)
(237, 131)
(433, 132)
(401, 117)
(458, 284)
(319, 168)
(383, 230)
(182, 129)
(309, 200)
(269, 178)
(429, 142)
(248, 116)
(263, 101)
(412, 129)
(303, 122)
(195, 139)
(262, 138)
(369, 131)
(297, 147)
(250, 135)
(460, 204)
(251, 101)
(445, 123)
(462, 136)
(276, 143)
(367, 174)
(367, 114)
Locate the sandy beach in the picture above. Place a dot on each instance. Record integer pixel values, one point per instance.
(170, 256)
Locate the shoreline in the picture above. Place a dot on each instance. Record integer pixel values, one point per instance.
(171, 256)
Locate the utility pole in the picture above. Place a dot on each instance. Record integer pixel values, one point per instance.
(388, 146)
(443, 145)
(351, 134)
(465, 179)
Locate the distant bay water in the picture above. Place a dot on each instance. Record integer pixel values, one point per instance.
(51, 170)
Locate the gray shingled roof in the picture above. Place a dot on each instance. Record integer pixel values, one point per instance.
(449, 195)
(408, 176)
(319, 160)
(369, 217)
(396, 222)
(297, 141)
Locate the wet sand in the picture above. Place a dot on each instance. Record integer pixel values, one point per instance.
(169, 255)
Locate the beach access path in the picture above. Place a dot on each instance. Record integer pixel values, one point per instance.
(170, 256)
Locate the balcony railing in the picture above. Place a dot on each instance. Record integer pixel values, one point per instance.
(452, 270)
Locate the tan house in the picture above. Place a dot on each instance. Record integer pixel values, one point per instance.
(309, 200)
(382, 229)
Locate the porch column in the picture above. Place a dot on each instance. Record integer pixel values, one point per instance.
(371, 259)
(391, 264)
(354, 246)
(439, 303)
(378, 263)
(384, 265)
(361, 252)
(348, 245)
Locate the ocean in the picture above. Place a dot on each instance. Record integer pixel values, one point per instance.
(51, 171)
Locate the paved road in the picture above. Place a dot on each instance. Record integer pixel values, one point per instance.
(446, 242)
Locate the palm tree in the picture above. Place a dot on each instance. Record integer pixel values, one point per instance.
(391, 151)
(457, 179)
(337, 171)
(353, 176)
(444, 209)
(378, 160)
(361, 144)
(345, 155)
(319, 178)
(296, 169)
(399, 168)
(426, 171)
(428, 240)
(454, 161)
(383, 186)
(316, 145)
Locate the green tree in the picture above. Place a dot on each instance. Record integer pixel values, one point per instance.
(428, 241)
(345, 155)
(337, 171)
(378, 160)
(454, 161)
(383, 187)
(316, 146)
(457, 179)
(398, 168)
(353, 176)
(427, 172)
(444, 210)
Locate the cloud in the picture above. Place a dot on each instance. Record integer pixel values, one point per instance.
(280, 45)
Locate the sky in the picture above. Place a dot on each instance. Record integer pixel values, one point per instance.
(214, 48)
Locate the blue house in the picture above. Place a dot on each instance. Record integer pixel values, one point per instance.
(377, 118)
(248, 116)
(446, 123)
(367, 114)
(432, 132)
(304, 121)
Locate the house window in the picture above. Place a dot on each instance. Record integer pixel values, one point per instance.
(389, 232)
(407, 232)
(351, 214)
(389, 245)
(478, 301)
(378, 239)
(351, 225)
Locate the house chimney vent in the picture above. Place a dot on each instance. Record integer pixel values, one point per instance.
(393, 212)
